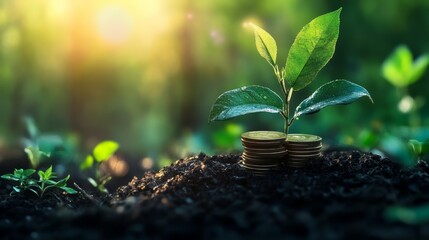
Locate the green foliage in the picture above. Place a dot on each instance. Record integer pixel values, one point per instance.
(35, 155)
(419, 149)
(46, 181)
(104, 150)
(312, 49)
(101, 152)
(266, 45)
(22, 177)
(100, 183)
(400, 70)
(245, 100)
(408, 215)
(332, 93)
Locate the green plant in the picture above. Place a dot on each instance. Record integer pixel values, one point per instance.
(35, 155)
(401, 71)
(101, 153)
(46, 181)
(419, 149)
(38, 187)
(313, 47)
(37, 145)
(23, 178)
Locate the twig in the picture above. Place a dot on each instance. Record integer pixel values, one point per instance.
(97, 202)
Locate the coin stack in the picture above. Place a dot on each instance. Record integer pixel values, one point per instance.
(263, 150)
(301, 148)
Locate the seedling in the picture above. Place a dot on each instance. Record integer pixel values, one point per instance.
(23, 178)
(313, 47)
(35, 155)
(419, 149)
(36, 142)
(101, 153)
(401, 70)
(46, 181)
(38, 187)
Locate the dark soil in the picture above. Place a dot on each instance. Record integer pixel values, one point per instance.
(341, 195)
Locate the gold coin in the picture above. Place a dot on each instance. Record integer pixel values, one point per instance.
(277, 149)
(303, 156)
(250, 144)
(263, 158)
(304, 152)
(259, 165)
(265, 154)
(263, 136)
(303, 138)
(303, 146)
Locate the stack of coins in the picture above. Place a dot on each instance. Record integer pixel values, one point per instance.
(263, 150)
(301, 148)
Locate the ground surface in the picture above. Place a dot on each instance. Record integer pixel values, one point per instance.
(341, 195)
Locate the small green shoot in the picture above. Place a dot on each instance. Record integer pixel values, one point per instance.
(23, 178)
(46, 181)
(312, 49)
(419, 149)
(400, 69)
(38, 187)
(101, 153)
(35, 155)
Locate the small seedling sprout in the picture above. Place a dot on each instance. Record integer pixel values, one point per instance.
(39, 187)
(101, 153)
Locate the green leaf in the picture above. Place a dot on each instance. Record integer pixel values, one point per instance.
(105, 150)
(69, 190)
(28, 172)
(333, 93)
(18, 172)
(48, 172)
(89, 161)
(399, 68)
(416, 146)
(41, 175)
(312, 49)
(265, 44)
(10, 176)
(16, 189)
(245, 100)
(34, 155)
(92, 182)
(419, 148)
(34, 191)
(419, 68)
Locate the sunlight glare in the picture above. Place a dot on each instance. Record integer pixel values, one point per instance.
(114, 24)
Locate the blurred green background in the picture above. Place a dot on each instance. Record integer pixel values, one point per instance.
(145, 73)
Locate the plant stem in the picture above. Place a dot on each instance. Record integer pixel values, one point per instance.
(280, 77)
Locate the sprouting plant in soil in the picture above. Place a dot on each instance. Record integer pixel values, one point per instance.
(101, 153)
(39, 187)
(22, 177)
(313, 47)
(419, 149)
(35, 155)
(401, 70)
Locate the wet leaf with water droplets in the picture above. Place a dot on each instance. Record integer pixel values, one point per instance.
(333, 93)
(245, 100)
